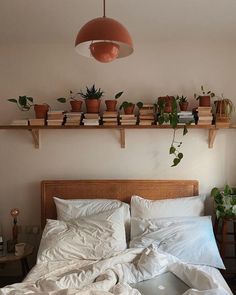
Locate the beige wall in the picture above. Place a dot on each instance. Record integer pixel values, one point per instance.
(48, 71)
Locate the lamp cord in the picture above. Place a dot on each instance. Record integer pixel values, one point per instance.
(104, 8)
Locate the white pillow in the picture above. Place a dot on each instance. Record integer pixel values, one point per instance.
(75, 208)
(189, 206)
(94, 237)
(191, 239)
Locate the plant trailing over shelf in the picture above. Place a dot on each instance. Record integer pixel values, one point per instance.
(172, 119)
(92, 92)
(225, 201)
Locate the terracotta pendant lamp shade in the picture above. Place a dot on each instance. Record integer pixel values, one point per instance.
(104, 38)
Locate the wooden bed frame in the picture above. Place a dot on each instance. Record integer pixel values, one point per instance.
(111, 189)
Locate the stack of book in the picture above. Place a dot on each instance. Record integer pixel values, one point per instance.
(91, 119)
(55, 118)
(146, 114)
(204, 115)
(128, 119)
(185, 117)
(73, 118)
(37, 122)
(110, 118)
(22, 122)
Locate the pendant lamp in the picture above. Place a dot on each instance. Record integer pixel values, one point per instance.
(104, 39)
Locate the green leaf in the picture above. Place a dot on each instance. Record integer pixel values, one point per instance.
(174, 121)
(227, 190)
(172, 150)
(62, 99)
(175, 162)
(118, 94)
(161, 120)
(30, 99)
(12, 100)
(202, 88)
(214, 192)
(22, 101)
(139, 104)
(185, 131)
(180, 155)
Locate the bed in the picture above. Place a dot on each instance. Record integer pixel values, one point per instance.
(130, 271)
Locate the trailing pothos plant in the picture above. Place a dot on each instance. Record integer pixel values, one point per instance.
(24, 103)
(225, 201)
(172, 119)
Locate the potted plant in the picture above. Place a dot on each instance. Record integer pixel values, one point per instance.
(76, 104)
(183, 102)
(225, 201)
(204, 98)
(224, 107)
(166, 101)
(24, 103)
(128, 107)
(172, 119)
(92, 97)
(111, 103)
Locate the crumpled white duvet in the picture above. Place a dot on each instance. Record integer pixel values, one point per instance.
(113, 275)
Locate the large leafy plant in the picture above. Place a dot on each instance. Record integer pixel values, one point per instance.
(225, 201)
(92, 92)
(172, 119)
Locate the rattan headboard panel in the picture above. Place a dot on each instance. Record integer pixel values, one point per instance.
(111, 189)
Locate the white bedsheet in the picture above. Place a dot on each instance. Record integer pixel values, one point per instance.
(112, 275)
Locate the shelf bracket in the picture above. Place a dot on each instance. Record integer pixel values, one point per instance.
(211, 138)
(122, 138)
(36, 137)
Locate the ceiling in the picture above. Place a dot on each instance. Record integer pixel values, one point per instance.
(58, 21)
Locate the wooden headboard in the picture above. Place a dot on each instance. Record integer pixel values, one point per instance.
(111, 189)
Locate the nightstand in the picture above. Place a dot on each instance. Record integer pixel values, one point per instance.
(11, 258)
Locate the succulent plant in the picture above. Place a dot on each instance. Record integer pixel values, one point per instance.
(92, 92)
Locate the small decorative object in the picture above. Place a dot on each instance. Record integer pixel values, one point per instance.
(204, 98)
(111, 103)
(128, 107)
(24, 103)
(92, 97)
(172, 119)
(225, 201)
(183, 102)
(14, 213)
(104, 38)
(75, 103)
(19, 249)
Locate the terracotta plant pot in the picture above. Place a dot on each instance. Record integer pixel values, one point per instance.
(205, 101)
(183, 106)
(129, 110)
(168, 103)
(93, 105)
(76, 105)
(111, 105)
(41, 111)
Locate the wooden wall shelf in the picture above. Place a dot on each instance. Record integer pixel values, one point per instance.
(35, 130)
